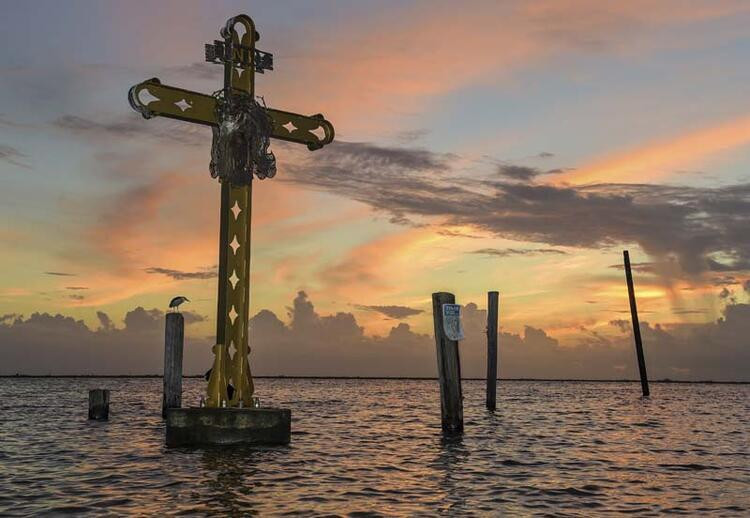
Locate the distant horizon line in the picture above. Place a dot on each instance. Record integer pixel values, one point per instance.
(404, 378)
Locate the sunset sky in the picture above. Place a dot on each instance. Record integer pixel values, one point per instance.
(510, 146)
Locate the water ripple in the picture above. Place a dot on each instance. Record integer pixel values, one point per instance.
(374, 448)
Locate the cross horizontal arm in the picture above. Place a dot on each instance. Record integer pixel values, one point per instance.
(153, 99)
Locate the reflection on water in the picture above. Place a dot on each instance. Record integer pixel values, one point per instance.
(376, 446)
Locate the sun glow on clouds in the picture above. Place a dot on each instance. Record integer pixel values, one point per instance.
(660, 159)
(375, 75)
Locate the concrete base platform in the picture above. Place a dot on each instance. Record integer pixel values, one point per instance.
(221, 426)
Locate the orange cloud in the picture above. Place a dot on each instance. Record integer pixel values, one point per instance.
(170, 222)
(396, 61)
(383, 265)
(660, 159)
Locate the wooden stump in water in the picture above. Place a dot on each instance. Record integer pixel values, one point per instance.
(492, 305)
(449, 369)
(99, 404)
(173, 344)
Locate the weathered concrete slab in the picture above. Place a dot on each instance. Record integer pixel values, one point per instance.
(220, 426)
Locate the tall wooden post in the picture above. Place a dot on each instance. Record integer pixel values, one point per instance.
(636, 325)
(492, 307)
(449, 369)
(173, 343)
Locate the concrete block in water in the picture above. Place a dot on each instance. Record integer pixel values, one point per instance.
(222, 426)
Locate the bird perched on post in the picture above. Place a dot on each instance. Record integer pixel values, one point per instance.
(174, 304)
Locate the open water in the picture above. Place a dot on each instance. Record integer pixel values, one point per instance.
(375, 447)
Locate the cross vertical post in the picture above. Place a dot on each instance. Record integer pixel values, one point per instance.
(233, 304)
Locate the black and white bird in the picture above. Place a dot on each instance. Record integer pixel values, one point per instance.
(174, 304)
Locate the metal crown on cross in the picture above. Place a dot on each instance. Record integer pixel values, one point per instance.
(235, 156)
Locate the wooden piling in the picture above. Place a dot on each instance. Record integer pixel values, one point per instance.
(636, 325)
(99, 404)
(492, 307)
(449, 369)
(173, 343)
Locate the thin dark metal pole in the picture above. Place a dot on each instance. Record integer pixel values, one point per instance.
(636, 325)
(492, 307)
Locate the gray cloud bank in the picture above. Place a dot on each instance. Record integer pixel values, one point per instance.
(132, 126)
(309, 343)
(702, 229)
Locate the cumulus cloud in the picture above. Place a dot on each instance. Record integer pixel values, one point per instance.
(104, 321)
(58, 344)
(191, 317)
(334, 345)
(397, 312)
(308, 343)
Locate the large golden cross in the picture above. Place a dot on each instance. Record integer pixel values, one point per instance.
(151, 98)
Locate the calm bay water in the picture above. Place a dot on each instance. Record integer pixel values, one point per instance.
(374, 446)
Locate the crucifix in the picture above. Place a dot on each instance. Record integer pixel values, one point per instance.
(241, 128)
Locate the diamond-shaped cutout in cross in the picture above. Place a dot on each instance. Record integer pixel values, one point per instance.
(236, 209)
(183, 105)
(289, 126)
(234, 279)
(146, 97)
(234, 245)
(233, 315)
(319, 132)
